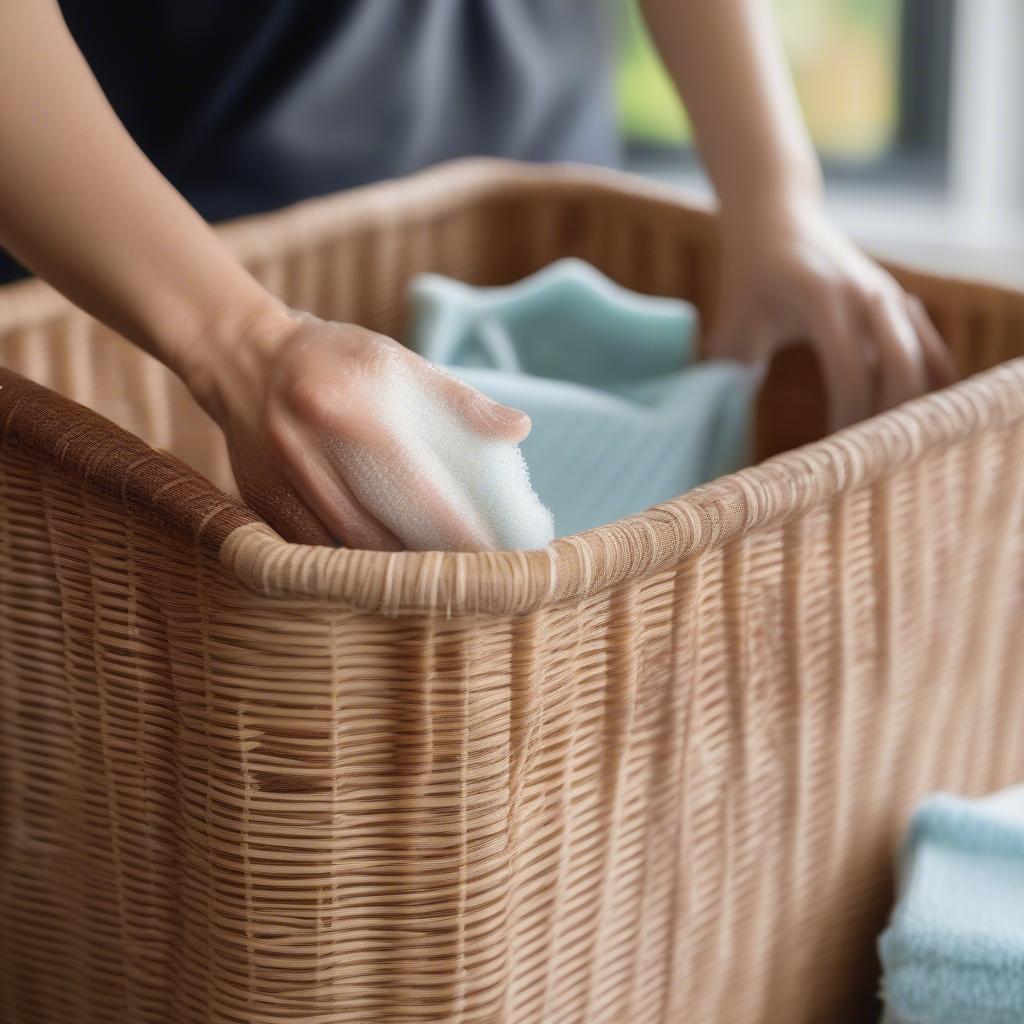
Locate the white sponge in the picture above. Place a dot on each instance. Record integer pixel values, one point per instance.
(436, 472)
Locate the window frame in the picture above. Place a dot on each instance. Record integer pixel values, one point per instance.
(919, 152)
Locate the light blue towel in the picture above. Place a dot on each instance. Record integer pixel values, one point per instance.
(623, 418)
(954, 950)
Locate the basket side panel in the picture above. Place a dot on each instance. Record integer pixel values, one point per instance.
(781, 704)
(678, 800)
(72, 354)
(841, 666)
(91, 858)
(983, 325)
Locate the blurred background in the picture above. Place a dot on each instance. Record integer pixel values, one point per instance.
(915, 107)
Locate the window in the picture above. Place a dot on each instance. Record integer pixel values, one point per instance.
(872, 77)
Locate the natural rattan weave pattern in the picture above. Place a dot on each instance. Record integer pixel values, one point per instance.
(654, 774)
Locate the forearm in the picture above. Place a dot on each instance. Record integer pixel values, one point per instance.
(726, 58)
(82, 207)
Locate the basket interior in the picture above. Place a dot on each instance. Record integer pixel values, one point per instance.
(346, 258)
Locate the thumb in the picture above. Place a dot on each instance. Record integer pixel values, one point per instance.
(484, 415)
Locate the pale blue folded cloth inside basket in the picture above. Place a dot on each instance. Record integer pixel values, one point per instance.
(954, 950)
(623, 416)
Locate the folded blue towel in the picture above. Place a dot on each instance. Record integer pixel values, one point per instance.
(954, 950)
(623, 417)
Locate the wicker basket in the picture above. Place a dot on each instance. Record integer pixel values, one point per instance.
(655, 773)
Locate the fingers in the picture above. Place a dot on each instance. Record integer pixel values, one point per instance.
(338, 480)
(840, 349)
(434, 513)
(937, 357)
(913, 357)
(901, 364)
(844, 360)
(311, 474)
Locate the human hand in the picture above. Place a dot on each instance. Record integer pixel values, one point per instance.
(301, 401)
(788, 275)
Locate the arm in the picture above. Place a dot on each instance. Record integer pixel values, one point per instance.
(83, 207)
(786, 272)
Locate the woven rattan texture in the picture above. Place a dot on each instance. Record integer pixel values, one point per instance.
(654, 774)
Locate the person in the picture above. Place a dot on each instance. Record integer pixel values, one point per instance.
(249, 106)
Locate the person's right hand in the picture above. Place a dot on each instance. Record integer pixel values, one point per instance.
(298, 398)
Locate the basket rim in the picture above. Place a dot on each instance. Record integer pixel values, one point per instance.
(631, 549)
(111, 460)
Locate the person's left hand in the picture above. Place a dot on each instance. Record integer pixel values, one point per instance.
(789, 275)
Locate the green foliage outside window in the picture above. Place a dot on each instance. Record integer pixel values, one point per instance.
(844, 55)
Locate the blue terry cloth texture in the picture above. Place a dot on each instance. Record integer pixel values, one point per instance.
(954, 949)
(623, 416)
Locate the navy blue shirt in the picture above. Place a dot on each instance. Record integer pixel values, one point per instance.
(248, 105)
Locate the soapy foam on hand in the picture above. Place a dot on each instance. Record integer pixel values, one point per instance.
(481, 480)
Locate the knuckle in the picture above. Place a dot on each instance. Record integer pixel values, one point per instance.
(827, 312)
(875, 298)
(300, 393)
(381, 357)
(309, 397)
(857, 292)
(821, 283)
